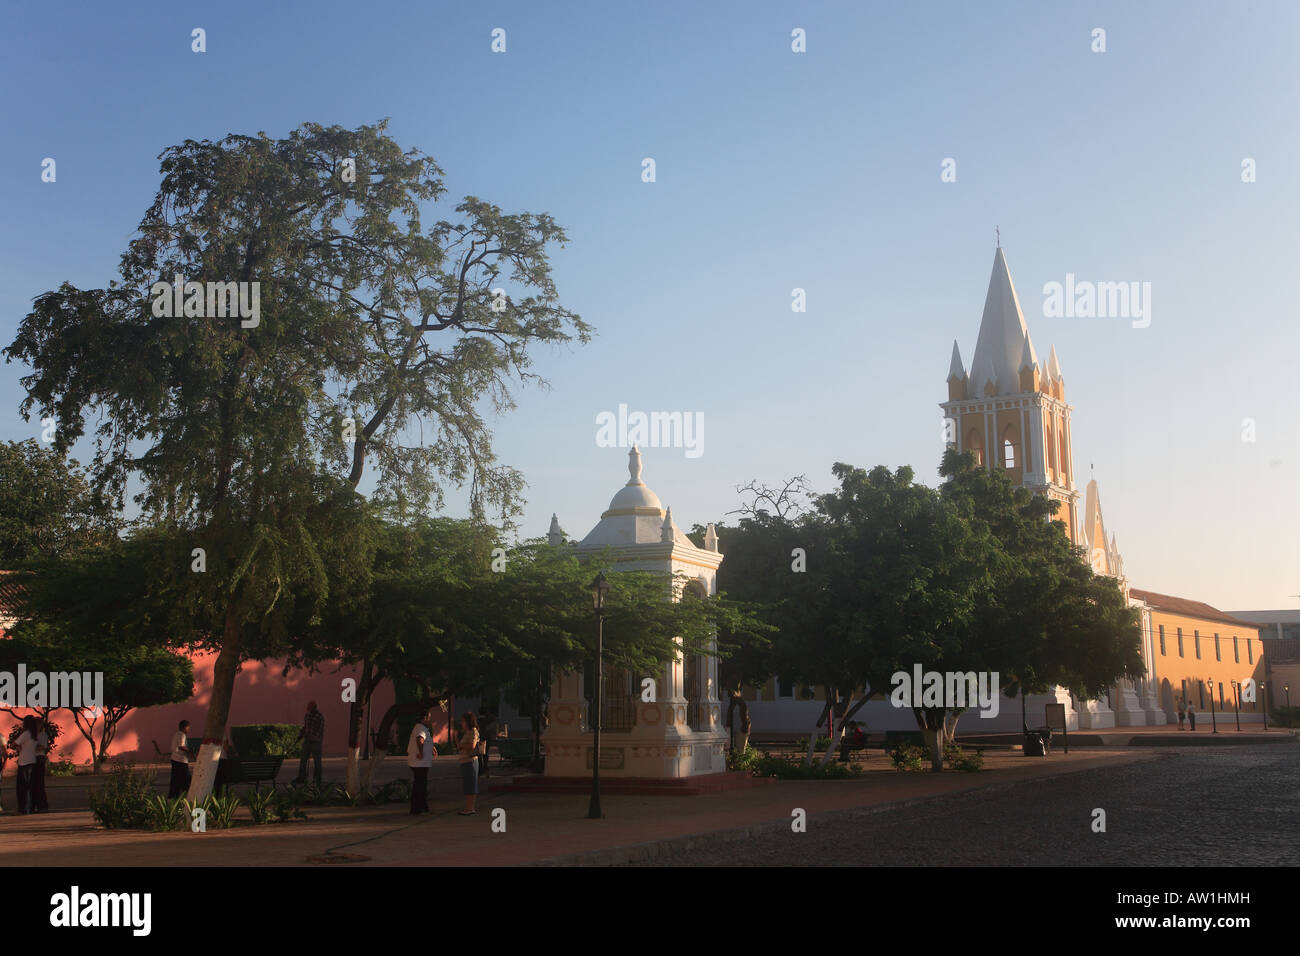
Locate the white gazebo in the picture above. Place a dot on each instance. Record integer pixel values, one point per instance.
(679, 733)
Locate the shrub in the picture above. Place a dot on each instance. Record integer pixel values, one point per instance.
(966, 761)
(747, 759)
(261, 806)
(219, 812)
(395, 791)
(121, 803)
(793, 768)
(60, 768)
(908, 757)
(162, 813)
(822, 743)
(443, 748)
(1286, 716)
(266, 740)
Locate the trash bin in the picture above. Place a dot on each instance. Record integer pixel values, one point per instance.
(1035, 746)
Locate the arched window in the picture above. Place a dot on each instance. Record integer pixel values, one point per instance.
(1051, 446)
(1010, 441)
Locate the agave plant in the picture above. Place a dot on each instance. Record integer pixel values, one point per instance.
(262, 805)
(165, 813)
(221, 810)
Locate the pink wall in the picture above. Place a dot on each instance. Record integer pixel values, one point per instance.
(262, 696)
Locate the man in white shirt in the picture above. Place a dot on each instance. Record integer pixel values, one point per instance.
(180, 781)
(419, 757)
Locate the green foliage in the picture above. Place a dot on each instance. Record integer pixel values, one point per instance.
(47, 509)
(262, 806)
(793, 768)
(162, 813)
(60, 768)
(266, 740)
(220, 811)
(395, 791)
(968, 761)
(121, 802)
(822, 743)
(443, 748)
(747, 759)
(907, 757)
(1284, 716)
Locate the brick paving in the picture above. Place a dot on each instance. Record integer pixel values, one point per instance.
(1190, 807)
(538, 828)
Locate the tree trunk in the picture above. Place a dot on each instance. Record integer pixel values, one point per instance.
(223, 687)
(356, 727)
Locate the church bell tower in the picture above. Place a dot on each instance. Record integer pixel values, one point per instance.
(1009, 410)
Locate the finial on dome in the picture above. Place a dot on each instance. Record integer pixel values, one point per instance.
(634, 465)
(666, 531)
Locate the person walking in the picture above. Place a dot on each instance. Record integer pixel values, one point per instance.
(180, 780)
(419, 757)
(41, 802)
(467, 746)
(26, 744)
(1182, 714)
(1191, 717)
(312, 736)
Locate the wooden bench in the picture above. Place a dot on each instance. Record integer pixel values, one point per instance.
(254, 770)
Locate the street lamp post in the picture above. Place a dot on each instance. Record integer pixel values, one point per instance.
(1236, 703)
(599, 591)
(1214, 724)
(1287, 688)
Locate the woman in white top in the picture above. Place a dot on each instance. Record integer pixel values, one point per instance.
(180, 781)
(26, 744)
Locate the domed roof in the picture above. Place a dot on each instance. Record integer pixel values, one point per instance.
(635, 494)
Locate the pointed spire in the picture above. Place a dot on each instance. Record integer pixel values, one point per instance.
(955, 368)
(634, 466)
(666, 531)
(1054, 366)
(555, 535)
(710, 538)
(1003, 331)
(1028, 360)
(989, 378)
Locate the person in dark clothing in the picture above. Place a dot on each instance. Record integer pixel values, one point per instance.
(313, 739)
(1191, 717)
(180, 756)
(41, 802)
(487, 721)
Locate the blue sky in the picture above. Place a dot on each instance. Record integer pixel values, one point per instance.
(777, 170)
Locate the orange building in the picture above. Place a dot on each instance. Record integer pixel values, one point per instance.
(1202, 654)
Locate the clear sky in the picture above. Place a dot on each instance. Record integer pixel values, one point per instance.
(777, 170)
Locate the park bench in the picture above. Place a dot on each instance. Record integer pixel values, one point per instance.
(254, 770)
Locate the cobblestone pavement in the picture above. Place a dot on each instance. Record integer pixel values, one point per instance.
(1195, 806)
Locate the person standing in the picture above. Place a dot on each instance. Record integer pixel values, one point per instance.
(419, 757)
(26, 744)
(40, 802)
(487, 731)
(1191, 717)
(312, 736)
(180, 781)
(467, 747)
(1182, 714)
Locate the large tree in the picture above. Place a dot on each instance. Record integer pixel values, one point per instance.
(47, 508)
(378, 341)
